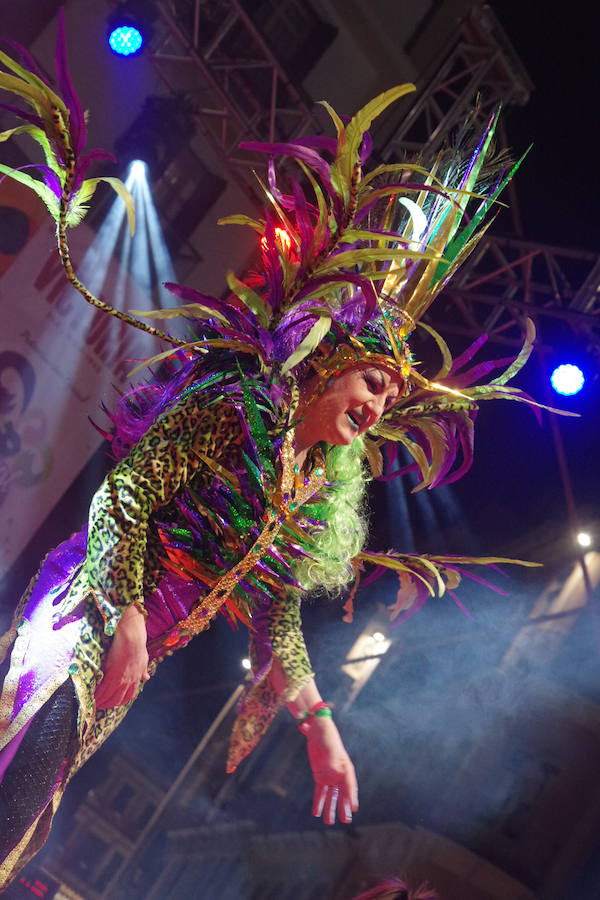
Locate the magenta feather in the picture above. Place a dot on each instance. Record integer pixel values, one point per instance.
(25, 58)
(77, 125)
(296, 151)
(29, 117)
(468, 354)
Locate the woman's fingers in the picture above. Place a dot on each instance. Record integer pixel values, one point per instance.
(109, 695)
(351, 787)
(331, 801)
(331, 805)
(338, 798)
(319, 796)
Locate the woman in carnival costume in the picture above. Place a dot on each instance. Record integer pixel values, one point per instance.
(240, 477)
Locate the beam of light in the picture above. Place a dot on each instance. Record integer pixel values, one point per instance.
(567, 379)
(364, 657)
(145, 256)
(138, 169)
(94, 266)
(126, 40)
(584, 539)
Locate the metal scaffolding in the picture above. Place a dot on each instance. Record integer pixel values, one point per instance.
(507, 278)
(215, 55)
(481, 70)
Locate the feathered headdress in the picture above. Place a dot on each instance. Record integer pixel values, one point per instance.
(349, 262)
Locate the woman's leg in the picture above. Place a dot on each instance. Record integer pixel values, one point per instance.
(33, 773)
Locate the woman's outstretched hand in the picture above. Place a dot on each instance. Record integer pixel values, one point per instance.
(126, 663)
(336, 789)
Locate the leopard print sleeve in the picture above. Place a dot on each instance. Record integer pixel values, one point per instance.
(164, 459)
(261, 703)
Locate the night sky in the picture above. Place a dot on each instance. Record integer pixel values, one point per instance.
(558, 185)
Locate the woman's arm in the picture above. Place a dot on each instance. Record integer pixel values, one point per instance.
(283, 676)
(336, 788)
(126, 665)
(165, 458)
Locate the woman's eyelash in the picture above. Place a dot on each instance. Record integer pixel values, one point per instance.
(374, 383)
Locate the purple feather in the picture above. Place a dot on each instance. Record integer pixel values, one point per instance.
(466, 440)
(477, 151)
(366, 148)
(303, 222)
(295, 151)
(51, 179)
(272, 264)
(468, 354)
(318, 142)
(25, 58)
(461, 605)
(190, 295)
(465, 379)
(29, 117)
(284, 200)
(77, 124)
(477, 578)
(368, 291)
(84, 163)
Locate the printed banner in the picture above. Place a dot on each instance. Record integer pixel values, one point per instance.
(59, 359)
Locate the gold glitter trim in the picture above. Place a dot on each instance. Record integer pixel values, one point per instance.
(11, 681)
(288, 496)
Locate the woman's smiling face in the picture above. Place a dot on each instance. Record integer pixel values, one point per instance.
(351, 403)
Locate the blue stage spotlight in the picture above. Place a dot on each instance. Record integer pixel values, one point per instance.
(130, 27)
(567, 379)
(126, 40)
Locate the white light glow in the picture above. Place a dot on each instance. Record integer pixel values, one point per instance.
(567, 379)
(138, 169)
(246, 664)
(584, 539)
(378, 637)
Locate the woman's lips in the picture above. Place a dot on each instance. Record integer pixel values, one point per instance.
(354, 421)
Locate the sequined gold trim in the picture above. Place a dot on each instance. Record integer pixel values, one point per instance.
(289, 496)
(11, 681)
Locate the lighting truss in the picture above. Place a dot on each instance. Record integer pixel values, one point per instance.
(507, 278)
(220, 60)
(481, 69)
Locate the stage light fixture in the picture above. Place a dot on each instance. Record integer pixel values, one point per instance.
(378, 637)
(584, 539)
(246, 664)
(156, 135)
(126, 40)
(567, 379)
(130, 26)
